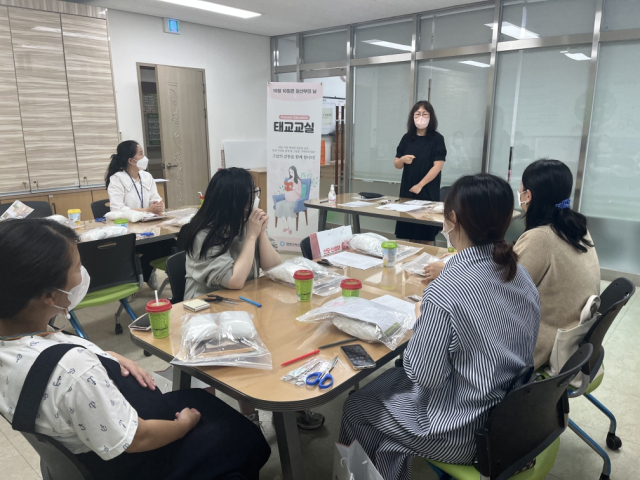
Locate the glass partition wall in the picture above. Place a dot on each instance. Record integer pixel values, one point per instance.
(511, 82)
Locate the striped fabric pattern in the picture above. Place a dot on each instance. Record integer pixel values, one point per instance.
(474, 334)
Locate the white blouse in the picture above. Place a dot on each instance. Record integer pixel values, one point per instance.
(125, 194)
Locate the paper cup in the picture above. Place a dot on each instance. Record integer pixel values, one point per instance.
(304, 285)
(389, 254)
(159, 317)
(351, 287)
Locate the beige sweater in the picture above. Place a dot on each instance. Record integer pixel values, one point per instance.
(565, 278)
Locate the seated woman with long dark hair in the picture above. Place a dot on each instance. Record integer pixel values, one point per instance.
(476, 331)
(101, 406)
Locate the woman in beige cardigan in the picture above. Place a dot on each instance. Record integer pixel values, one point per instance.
(556, 249)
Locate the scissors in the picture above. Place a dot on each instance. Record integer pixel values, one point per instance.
(218, 298)
(323, 380)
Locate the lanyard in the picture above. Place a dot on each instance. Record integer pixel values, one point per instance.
(140, 193)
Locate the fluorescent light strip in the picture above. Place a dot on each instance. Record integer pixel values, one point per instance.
(382, 43)
(514, 31)
(577, 56)
(475, 64)
(214, 7)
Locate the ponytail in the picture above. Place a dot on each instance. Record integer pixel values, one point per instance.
(571, 226)
(506, 258)
(119, 160)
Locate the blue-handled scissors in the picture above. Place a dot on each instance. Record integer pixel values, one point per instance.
(323, 380)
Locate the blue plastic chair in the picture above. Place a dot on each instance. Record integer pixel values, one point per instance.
(299, 203)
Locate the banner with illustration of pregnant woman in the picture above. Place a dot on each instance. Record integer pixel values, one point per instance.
(294, 126)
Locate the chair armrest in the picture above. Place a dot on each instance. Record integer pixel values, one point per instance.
(300, 205)
(276, 199)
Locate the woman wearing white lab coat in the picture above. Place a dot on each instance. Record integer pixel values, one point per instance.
(131, 187)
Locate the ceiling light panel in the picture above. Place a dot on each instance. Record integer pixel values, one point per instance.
(214, 7)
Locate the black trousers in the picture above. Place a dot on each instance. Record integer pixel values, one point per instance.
(153, 251)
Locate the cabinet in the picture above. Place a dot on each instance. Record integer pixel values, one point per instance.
(62, 202)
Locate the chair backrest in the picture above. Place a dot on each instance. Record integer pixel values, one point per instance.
(307, 182)
(526, 422)
(110, 262)
(612, 300)
(100, 208)
(176, 271)
(443, 192)
(59, 461)
(305, 248)
(40, 209)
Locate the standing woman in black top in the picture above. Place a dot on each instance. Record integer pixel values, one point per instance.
(421, 156)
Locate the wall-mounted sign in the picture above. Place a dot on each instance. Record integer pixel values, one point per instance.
(171, 25)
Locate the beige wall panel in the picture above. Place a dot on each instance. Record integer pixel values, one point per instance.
(93, 110)
(44, 98)
(81, 9)
(61, 203)
(47, 5)
(14, 176)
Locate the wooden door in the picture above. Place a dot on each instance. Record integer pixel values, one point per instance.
(44, 98)
(93, 110)
(62, 202)
(183, 133)
(14, 176)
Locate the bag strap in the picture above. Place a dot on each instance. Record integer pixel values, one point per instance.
(35, 384)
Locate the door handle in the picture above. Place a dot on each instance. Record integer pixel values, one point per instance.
(171, 166)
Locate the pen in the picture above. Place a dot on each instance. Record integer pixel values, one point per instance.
(348, 340)
(250, 301)
(310, 354)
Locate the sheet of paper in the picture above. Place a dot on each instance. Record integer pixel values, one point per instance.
(418, 202)
(355, 260)
(16, 210)
(355, 204)
(399, 208)
(397, 304)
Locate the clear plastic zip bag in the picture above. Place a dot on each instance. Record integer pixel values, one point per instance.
(371, 244)
(226, 339)
(416, 266)
(325, 282)
(366, 320)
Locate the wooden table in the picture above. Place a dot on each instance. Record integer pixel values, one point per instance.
(286, 338)
(435, 219)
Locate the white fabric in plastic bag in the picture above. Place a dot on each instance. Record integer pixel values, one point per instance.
(133, 216)
(222, 339)
(369, 321)
(417, 266)
(179, 221)
(325, 282)
(101, 233)
(371, 244)
(181, 212)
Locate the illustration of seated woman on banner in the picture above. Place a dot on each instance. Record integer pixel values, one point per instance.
(286, 208)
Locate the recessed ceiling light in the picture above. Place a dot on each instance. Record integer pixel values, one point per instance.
(382, 43)
(514, 31)
(476, 64)
(214, 7)
(577, 56)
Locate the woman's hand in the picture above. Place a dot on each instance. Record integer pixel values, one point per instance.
(432, 271)
(264, 225)
(189, 416)
(255, 223)
(156, 207)
(129, 367)
(407, 159)
(416, 189)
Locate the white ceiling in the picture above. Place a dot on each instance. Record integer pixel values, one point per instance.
(280, 17)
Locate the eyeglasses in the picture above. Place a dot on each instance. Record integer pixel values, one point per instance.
(258, 191)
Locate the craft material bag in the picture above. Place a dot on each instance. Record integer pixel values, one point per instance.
(352, 463)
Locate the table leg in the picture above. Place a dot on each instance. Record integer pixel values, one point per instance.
(356, 223)
(181, 380)
(289, 445)
(322, 221)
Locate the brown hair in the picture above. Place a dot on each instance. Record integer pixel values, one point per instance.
(483, 205)
(433, 123)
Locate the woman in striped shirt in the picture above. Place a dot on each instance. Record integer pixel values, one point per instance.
(477, 329)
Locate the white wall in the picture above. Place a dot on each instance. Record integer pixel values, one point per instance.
(236, 67)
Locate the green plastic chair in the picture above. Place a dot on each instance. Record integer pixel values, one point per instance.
(115, 275)
(524, 426)
(161, 264)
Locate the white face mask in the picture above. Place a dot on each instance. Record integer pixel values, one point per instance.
(421, 122)
(256, 203)
(520, 201)
(77, 293)
(143, 163)
(447, 237)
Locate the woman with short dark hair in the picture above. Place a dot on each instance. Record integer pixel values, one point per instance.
(421, 155)
(476, 331)
(101, 406)
(556, 249)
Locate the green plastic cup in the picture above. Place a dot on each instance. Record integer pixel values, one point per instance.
(389, 254)
(351, 287)
(121, 222)
(159, 317)
(304, 285)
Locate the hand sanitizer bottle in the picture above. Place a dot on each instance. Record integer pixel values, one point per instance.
(332, 197)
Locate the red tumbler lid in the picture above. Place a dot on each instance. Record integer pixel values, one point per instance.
(303, 275)
(163, 306)
(351, 284)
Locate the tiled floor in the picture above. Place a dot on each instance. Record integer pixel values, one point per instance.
(620, 391)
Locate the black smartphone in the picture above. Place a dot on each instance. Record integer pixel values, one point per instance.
(358, 357)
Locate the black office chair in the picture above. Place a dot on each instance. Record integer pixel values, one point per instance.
(100, 208)
(305, 248)
(612, 300)
(443, 192)
(115, 274)
(176, 271)
(40, 209)
(524, 426)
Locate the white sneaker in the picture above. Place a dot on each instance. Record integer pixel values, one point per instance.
(152, 283)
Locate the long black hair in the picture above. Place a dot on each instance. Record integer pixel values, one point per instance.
(483, 204)
(36, 258)
(225, 211)
(550, 183)
(126, 150)
(433, 122)
(296, 178)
